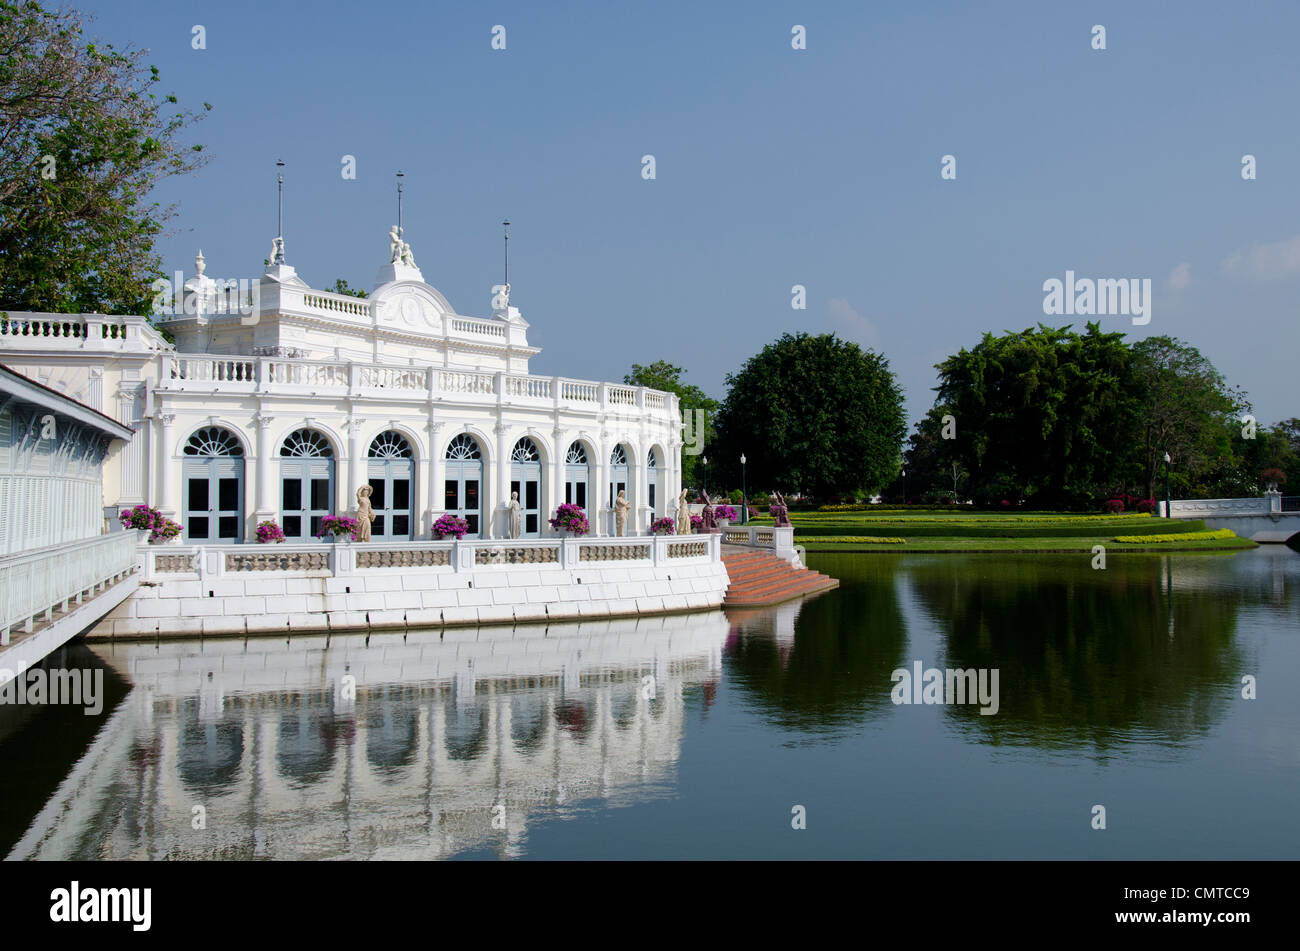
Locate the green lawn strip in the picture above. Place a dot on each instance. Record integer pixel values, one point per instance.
(903, 529)
(1061, 545)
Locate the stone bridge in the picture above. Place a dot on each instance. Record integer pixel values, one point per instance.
(1269, 519)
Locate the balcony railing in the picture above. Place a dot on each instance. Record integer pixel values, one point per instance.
(35, 584)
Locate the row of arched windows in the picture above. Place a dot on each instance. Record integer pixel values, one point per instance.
(214, 483)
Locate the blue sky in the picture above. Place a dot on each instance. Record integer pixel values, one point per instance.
(774, 167)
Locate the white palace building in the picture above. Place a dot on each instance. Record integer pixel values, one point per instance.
(284, 412)
(280, 402)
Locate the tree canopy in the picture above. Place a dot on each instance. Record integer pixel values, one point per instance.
(662, 375)
(83, 139)
(813, 414)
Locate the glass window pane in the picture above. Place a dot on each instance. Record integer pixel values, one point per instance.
(514, 487)
(320, 495)
(582, 496)
(377, 526)
(471, 493)
(293, 526)
(451, 500)
(530, 525)
(291, 494)
(228, 493)
(228, 526)
(568, 493)
(198, 527)
(401, 524)
(198, 495)
(377, 493)
(401, 493)
(531, 495)
(472, 519)
(315, 525)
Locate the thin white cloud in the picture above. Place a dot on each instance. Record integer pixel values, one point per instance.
(851, 325)
(1274, 261)
(1180, 277)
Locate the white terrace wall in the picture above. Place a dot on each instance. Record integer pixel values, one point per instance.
(237, 590)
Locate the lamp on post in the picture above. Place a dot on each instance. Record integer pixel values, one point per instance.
(904, 486)
(1168, 460)
(744, 493)
(705, 460)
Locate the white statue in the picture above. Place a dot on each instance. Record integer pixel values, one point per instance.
(277, 250)
(395, 245)
(365, 512)
(621, 505)
(516, 516)
(683, 515)
(407, 257)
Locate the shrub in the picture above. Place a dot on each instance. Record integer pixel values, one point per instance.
(1273, 476)
(1113, 506)
(724, 513)
(450, 526)
(735, 496)
(337, 525)
(1169, 537)
(664, 526)
(1146, 506)
(269, 532)
(762, 500)
(697, 523)
(146, 519)
(571, 518)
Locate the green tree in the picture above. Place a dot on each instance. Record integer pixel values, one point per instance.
(83, 138)
(662, 375)
(1046, 414)
(814, 414)
(1187, 410)
(341, 287)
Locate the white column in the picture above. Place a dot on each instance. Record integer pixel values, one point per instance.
(554, 494)
(133, 457)
(356, 466)
(168, 485)
(435, 475)
(602, 522)
(500, 491)
(639, 483)
(264, 472)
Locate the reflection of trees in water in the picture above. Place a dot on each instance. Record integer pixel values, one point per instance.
(466, 731)
(846, 644)
(305, 737)
(209, 749)
(572, 715)
(391, 728)
(1083, 656)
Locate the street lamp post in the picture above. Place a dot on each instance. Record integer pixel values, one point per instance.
(904, 486)
(744, 493)
(705, 460)
(1168, 460)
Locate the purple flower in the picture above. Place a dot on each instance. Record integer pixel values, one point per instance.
(449, 526)
(570, 518)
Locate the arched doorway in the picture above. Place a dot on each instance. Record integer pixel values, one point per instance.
(526, 479)
(618, 481)
(306, 483)
(577, 473)
(464, 476)
(654, 486)
(214, 487)
(391, 472)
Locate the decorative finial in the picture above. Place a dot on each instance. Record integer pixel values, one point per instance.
(277, 246)
(400, 176)
(198, 263)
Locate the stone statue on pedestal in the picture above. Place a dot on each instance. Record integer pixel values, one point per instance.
(710, 523)
(277, 250)
(395, 245)
(621, 505)
(516, 514)
(683, 515)
(780, 511)
(365, 513)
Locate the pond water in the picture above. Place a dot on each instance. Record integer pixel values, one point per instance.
(709, 735)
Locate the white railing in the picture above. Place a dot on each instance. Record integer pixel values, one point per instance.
(579, 392)
(454, 381)
(622, 395)
(471, 325)
(320, 559)
(1209, 508)
(780, 541)
(203, 369)
(392, 378)
(336, 304)
(304, 373)
(529, 387)
(38, 583)
(23, 331)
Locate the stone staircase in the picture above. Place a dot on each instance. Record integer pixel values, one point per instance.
(760, 578)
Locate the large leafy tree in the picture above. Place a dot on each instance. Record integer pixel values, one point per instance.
(1045, 413)
(813, 414)
(1188, 410)
(662, 375)
(83, 139)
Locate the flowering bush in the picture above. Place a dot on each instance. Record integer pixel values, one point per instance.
(1146, 506)
(724, 513)
(146, 519)
(571, 518)
(1113, 506)
(1273, 476)
(697, 523)
(450, 526)
(268, 532)
(664, 526)
(337, 525)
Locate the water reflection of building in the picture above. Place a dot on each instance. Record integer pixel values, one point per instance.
(544, 721)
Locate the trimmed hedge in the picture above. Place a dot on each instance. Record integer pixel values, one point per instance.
(1183, 537)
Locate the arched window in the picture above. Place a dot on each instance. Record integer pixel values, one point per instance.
(306, 483)
(390, 471)
(619, 456)
(462, 481)
(213, 471)
(577, 474)
(577, 455)
(619, 481)
(526, 479)
(654, 479)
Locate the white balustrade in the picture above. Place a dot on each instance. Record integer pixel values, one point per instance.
(529, 387)
(578, 391)
(483, 328)
(39, 582)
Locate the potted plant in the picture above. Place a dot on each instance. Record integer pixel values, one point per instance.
(269, 532)
(335, 527)
(697, 524)
(724, 515)
(145, 519)
(1273, 477)
(570, 518)
(450, 526)
(663, 526)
